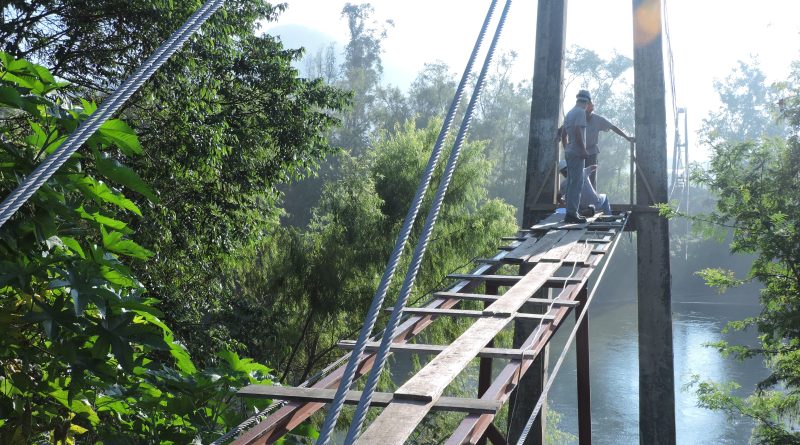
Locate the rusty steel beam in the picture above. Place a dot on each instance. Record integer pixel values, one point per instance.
(475, 425)
(293, 414)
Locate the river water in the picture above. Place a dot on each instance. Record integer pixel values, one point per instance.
(699, 315)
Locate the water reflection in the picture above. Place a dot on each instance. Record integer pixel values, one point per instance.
(615, 376)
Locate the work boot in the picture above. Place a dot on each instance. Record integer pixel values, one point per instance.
(588, 211)
(573, 218)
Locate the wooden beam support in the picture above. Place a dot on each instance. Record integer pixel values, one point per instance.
(509, 280)
(380, 399)
(418, 348)
(470, 313)
(485, 297)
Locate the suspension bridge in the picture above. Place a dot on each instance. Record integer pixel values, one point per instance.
(533, 283)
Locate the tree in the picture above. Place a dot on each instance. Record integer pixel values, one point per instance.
(361, 70)
(226, 121)
(746, 112)
(431, 92)
(84, 351)
(753, 181)
(503, 121)
(329, 273)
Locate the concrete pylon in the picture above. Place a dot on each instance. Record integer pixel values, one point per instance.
(656, 368)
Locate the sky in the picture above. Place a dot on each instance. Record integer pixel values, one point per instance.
(707, 38)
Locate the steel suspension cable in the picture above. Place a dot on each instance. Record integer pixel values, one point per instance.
(529, 424)
(402, 238)
(110, 105)
(422, 244)
(259, 416)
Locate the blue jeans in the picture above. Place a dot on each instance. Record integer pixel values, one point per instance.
(575, 165)
(605, 206)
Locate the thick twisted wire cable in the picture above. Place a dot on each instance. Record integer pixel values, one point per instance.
(86, 129)
(422, 244)
(402, 238)
(529, 424)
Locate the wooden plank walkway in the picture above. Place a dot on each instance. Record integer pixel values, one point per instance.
(544, 251)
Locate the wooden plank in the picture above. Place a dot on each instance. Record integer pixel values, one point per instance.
(494, 262)
(502, 280)
(546, 242)
(561, 249)
(380, 399)
(468, 313)
(579, 254)
(484, 297)
(519, 254)
(598, 241)
(396, 423)
(514, 238)
(507, 280)
(545, 224)
(416, 348)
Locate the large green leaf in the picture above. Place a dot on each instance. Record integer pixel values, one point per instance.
(10, 96)
(123, 175)
(120, 134)
(79, 406)
(100, 192)
(104, 220)
(117, 243)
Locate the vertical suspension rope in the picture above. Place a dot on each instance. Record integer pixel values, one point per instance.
(422, 244)
(402, 238)
(86, 129)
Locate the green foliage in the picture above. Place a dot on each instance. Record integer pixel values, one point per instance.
(314, 287)
(748, 107)
(754, 181)
(84, 351)
(720, 279)
(225, 121)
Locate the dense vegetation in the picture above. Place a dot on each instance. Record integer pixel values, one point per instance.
(751, 177)
(101, 328)
(84, 351)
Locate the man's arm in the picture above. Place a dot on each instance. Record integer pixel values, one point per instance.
(616, 129)
(580, 139)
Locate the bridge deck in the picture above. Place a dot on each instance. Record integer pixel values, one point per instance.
(542, 250)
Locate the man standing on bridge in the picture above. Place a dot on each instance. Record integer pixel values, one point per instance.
(594, 125)
(575, 154)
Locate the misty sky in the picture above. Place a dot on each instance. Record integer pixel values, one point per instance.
(707, 38)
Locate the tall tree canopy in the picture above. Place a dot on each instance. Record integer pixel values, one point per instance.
(224, 121)
(753, 176)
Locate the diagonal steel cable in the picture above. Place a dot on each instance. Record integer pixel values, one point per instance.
(402, 238)
(422, 244)
(110, 105)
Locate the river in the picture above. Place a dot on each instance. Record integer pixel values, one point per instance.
(699, 315)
